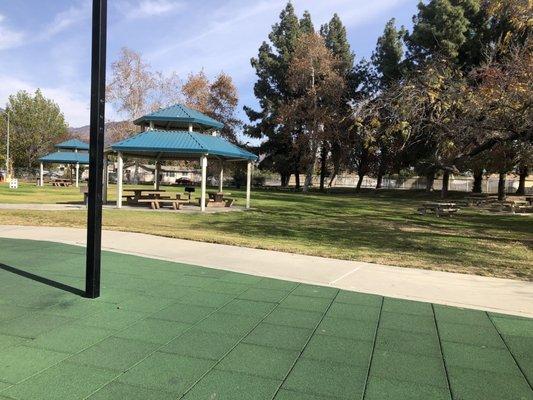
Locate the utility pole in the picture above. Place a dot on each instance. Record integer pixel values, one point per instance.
(96, 150)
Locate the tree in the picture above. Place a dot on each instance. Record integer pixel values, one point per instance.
(388, 69)
(36, 125)
(132, 83)
(314, 84)
(218, 99)
(271, 89)
(337, 139)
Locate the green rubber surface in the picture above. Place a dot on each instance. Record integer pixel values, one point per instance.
(164, 330)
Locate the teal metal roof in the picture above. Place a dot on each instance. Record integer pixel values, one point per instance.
(66, 157)
(72, 144)
(179, 116)
(168, 144)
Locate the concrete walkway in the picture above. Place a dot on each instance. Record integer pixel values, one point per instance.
(469, 291)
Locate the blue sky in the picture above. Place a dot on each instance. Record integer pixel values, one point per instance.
(46, 44)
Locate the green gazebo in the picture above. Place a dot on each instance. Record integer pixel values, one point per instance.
(72, 152)
(181, 133)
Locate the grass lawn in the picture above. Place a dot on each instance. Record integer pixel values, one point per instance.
(372, 226)
(165, 330)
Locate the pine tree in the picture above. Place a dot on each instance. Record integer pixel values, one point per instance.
(388, 56)
(271, 89)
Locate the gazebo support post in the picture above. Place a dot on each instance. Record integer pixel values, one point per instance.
(203, 163)
(221, 179)
(77, 174)
(120, 166)
(41, 176)
(156, 175)
(248, 183)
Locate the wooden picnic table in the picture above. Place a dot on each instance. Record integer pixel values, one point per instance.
(529, 199)
(61, 182)
(217, 197)
(143, 193)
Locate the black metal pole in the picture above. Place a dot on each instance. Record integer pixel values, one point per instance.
(96, 151)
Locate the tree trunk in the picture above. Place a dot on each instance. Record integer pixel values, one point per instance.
(501, 186)
(359, 181)
(297, 178)
(523, 173)
(382, 167)
(430, 179)
(310, 168)
(445, 184)
(285, 178)
(478, 182)
(323, 165)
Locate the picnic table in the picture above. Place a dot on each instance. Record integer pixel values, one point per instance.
(219, 199)
(529, 199)
(438, 208)
(480, 199)
(154, 198)
(61, 182)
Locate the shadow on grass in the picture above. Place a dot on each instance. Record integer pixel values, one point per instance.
(40, 279)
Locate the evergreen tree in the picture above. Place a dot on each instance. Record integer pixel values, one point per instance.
(271, 89)
(388, 56)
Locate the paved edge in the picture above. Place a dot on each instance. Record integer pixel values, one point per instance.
(468, 291)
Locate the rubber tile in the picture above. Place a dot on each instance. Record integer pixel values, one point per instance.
(227, 287)
(354, 311)
(21, 362)
(7, 341)
(279, 336)
(409, 367)
(468, 334)
(336, 349)
(121, 391)
(168, 372)
(481, 358)
(114, 353)
(461, 316)
(64, 381)
(348, 328)
(266, 295)
(474, 384)
(268, 283)
(224, 385)
(294, 318)
(408, 342)
(316, 304)
(321, 378)
(407, 307)
(33, 324)
(316, 291)
(408, 323)
(207, 299)
(70, 339)
(514, 326)
(8, 311)
(387, 389)
(232, 277)
(112, 318)
(248, 307)
(267, 362)
(154, 330)
(228, 324)
(362, 299)
(195, 343)
(522, 349)
(285, 394)
(184, 313)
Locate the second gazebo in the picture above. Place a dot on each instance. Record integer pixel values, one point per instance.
(181, 133)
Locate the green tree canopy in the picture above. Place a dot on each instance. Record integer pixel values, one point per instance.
(36, 124)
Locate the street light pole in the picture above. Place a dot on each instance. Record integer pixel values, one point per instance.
(7, 151)
(96, 150)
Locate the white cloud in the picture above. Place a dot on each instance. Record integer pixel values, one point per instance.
(150, 8)
(9, 38)
(68, 18)
(75, 108)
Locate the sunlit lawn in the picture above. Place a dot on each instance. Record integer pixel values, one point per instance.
(380, 227)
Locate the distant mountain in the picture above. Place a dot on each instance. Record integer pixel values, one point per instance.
(112, 129)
